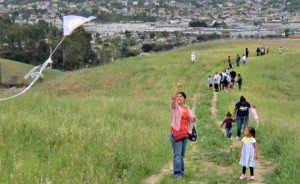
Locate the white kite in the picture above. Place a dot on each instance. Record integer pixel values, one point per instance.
(70, 23)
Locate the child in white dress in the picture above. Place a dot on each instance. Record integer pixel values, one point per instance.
(248, 153)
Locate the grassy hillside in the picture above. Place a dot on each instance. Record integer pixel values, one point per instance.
(111, 124)
(11, 68)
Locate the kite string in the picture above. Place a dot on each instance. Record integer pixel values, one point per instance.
(57, 46)
(38, 76)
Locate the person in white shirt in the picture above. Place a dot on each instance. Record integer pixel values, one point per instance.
(216, 81)
(193, 57)
(244, 59)
(225, 80)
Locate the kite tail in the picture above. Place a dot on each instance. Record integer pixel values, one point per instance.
(37, 77)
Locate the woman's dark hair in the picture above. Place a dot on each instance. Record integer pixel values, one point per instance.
(183, 94)
(252, 131)
(228, 114)
(242, 99)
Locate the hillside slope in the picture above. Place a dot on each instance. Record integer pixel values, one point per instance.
(12, 68)
(111, 124)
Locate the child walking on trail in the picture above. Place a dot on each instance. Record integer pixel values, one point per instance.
(248, 153)
(228, 125)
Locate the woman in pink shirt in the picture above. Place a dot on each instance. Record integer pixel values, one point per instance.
(182, 119)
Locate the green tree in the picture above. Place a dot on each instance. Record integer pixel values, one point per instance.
(152, 35)
(198, 24)
(147, 47)
(127, 33)
(286, 32)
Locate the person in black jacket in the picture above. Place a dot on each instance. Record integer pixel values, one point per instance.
(232, 76)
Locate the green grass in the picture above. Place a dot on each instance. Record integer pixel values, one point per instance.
(111, 124)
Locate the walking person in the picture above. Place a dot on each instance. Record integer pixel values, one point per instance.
(210, 81)
(280, 50)
(238, 59)
(241, 115)
(181, 126)
(258, 51)
(232, 77)
(244, 59)
(221, 85)
(246, 52)
(248, 153)
(228, 127)
(225, 80)
(193, 57)
(229, 62)
(240, 81)
(216, 81)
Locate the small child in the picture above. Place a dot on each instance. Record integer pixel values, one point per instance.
(228, 125)
(230, 86)
(248, 153)
(210, 81)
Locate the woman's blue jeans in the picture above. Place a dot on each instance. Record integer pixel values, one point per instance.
(179, 149)
(240, 121)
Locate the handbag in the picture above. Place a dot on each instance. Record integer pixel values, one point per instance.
(193, 135)
(180, 135)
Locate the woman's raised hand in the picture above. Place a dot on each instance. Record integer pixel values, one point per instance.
(179, 84)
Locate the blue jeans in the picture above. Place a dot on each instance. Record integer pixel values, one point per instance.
(228, 132)
(241, 121)
(179, 149)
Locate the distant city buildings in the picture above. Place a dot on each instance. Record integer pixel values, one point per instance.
(235, 19)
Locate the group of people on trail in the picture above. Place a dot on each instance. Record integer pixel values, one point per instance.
(225, 80)
(182, 124)
(238, 59)
(183, 118)
(262, 51)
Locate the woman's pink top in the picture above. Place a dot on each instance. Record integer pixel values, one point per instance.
(181, 119)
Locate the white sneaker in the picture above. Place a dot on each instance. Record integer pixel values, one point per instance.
(230, 138)
(237, 138)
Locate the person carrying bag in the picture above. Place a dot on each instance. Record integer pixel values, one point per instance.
(181, 126)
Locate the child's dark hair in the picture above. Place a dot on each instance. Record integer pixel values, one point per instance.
(228, 114)
(252, 131)
(183, 94)
(242, 99)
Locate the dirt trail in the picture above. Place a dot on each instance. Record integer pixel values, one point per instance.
(262, 166)
(168, 168)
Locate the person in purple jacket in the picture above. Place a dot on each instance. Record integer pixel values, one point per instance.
(228, 125)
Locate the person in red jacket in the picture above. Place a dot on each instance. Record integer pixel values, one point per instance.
(229, 62)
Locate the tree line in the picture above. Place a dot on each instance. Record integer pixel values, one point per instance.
(33, 44)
